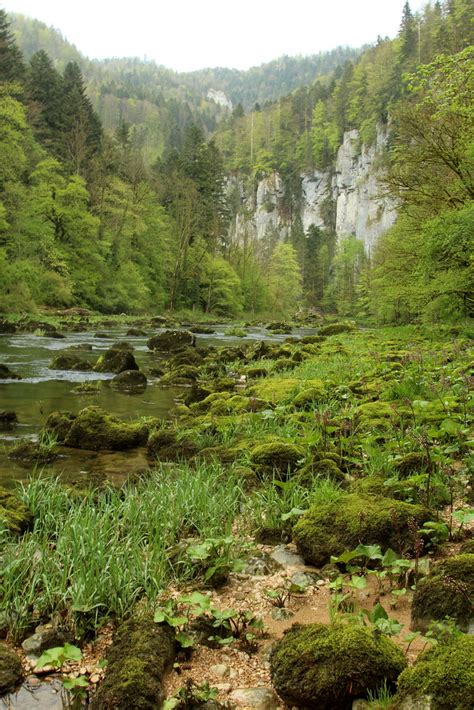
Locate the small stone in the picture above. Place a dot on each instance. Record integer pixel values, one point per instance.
(286, 557)
(220, 670)
(256, 698)
(95, 677)
(233, 674)
(322, 582)
(223, 687)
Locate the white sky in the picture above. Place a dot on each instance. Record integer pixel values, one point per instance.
(192, 34)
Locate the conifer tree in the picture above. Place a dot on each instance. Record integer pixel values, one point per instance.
(11, 62)
(45, 96)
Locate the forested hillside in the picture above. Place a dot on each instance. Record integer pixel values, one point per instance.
(89, 216)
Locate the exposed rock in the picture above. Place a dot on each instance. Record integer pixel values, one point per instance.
(259, 698)
(116, 360)
(286, 557)
(7, 374)
(44, 638)
(8, 419)
(94, 429)
(70, 361)
(172, 340)
(10, 669)
(129, 381)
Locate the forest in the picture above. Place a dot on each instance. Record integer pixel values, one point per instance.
(93, 214)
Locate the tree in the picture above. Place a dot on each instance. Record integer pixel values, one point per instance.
(12, 68)
(45, 89)
(284, 281)
(220, 287)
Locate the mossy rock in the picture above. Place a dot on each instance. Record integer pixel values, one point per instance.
(13, 513)
(7, 374)
(136, 332)
(285, 363)
(59, 424)
(186, 356)
(256, 372)
(140, 654)
(182, 375)
(172, 340)
(276, 390)
(96, 430)
(371, 412)
(329, 666)
(8, 419)
(442, 675)
(197, 393)
(202, 330)
(307, 398)
(69, 361)
(322, 468)
(280, 456)
(122, 345)
(10, 669)
(447, 591)
(336, 329)
(116, 361)
(132, 381)
(33, 452)
(165, 445)
(312, 339)
(331, 528)
(414, 462)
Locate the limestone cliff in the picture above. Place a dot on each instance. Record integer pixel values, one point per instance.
(352, 188)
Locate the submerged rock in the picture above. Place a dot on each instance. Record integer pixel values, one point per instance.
(10, 669)
(138, 658)
(33, 452)
(172, 340)
(7, 374)
(8, 419)
(328, 666)
(129, 381)
(69, 361)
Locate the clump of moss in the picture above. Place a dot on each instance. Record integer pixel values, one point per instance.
(181, 375)
(280, 456)
(444, 674)
(116, 360)
(447, 591)
(329, 529)
(94, 429)
(132, 381)
(13, 513)
(10, 669)
(307, 398)
(166, 445)
(172, 340)
(140, 654)
(336, 328)
(59, 424)
(329, 666)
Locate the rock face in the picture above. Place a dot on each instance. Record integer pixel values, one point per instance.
(352, 190)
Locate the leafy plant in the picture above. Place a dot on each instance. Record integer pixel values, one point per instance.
(191, 695)
(58, 655)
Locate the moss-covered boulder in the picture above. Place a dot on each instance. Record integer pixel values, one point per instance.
(7, 374)
(336, 329)
(167, 445)
(58, 424)
(94, 429)
(181, 375)
(255, 372)
(8, 419)
(414, 462)
(116, 360)
(70, 361)
(33, 452)
(443, 676)
(132, 381)
(447, 591)
(308, 398)
(172, 340)
(10, 669)
(278, 456)
(327, 667)
(331, 528)
(13, 513)
(185, 356)
(137, 660)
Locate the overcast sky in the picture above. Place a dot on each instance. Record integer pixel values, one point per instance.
(192, 34)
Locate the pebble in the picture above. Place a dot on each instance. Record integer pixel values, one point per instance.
(220, 670)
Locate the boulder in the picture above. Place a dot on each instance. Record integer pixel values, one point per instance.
(10, 669)
(129, 381)
(58, 424)
(277, 456)
(172, 340)
(33, 452)
(13, 513)
(7, 374)
(329, 666)
(336, 328)
(116, 360)
(331, 528)
(447, 591)
(96, 430)
(8, 419)
(441, 679)
(165, 445)
(70, 361)
(140, 654)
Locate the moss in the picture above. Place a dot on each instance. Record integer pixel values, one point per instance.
(336, 329)
(444, 673)
(181, 375)
(413, 462)
(374, 411)
(33, 452)
(165, 445)
(10, 669)
(140, 654)
(285, 363)
(116, 361)
(467, 547)
(186, 356)
(13, 513)
(59, 424)
(172, 340)
(327, 667)
(69, 361)
(447, 591)
(94, 429)
(325, 468)
(331, 528)
(280, 456)
(275, 389)
(255, 372)
(307, 398)
(235, 332)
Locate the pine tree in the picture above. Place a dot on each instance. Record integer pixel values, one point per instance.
(44, 88)
(11, 62)
(408, 36)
